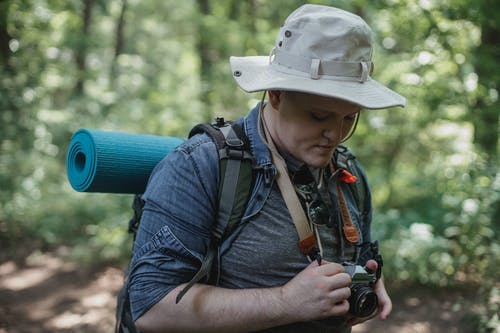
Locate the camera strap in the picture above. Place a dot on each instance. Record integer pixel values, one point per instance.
(370, 251)
(307, 240)
(348, 228)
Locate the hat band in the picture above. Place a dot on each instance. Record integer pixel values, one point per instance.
(315, 67)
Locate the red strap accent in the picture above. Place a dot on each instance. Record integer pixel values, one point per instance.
(351, 234)
(307, 244)
(347, 177)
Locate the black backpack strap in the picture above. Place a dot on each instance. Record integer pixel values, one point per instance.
(212, 131)
(123, 315)
(345, 159)
(137, 206)
(236, 182)
(236, 173)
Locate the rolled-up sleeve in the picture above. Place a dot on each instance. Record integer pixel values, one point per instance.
(175, 226)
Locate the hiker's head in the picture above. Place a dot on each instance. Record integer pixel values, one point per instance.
(308, 126)
(319, 50)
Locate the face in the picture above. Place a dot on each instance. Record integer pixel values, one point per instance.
(309, 127)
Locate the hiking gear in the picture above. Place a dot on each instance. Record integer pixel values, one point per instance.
(344, 160)
(114, 162)
(347, 177)
(350, 231)
(236, 176)
(236, 183)
(319, 50)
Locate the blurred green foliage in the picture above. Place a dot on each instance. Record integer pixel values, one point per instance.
(159, 67)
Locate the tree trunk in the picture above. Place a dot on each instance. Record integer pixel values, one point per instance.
(205, 61)
(487, 110)
(81, 53)
(4, 34)
(119, 39)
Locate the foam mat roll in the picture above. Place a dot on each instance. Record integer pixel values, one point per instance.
(114, 162)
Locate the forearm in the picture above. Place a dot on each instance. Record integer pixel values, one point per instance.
(213, 309)
(317, 292)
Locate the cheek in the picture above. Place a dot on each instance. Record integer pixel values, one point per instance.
(299, 132)
(293, 139)
(303, 135)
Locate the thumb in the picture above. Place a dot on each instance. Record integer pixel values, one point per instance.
(371, 265)
(315, 263)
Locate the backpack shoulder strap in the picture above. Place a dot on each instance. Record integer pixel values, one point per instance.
(236, 173)
(345, 159)
(235, 187)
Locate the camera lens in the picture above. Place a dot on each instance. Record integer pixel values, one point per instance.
(363, 301)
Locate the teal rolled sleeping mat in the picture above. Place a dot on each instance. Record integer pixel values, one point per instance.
(114, 162)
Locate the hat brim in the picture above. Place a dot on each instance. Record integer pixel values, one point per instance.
(256, 74)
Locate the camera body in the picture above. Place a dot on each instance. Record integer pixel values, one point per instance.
(363, 300)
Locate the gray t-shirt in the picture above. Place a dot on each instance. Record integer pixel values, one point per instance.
(266, 254)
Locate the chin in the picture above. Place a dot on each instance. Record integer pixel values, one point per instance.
(318, 163)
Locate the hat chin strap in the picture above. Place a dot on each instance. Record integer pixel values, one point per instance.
(315, 68)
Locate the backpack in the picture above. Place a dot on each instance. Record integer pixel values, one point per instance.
(237, 173)
(236, 165)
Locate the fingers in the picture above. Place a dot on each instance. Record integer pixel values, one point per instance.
(339, 309)
(330, 268)
(386, 310)
(336, 277)
(340, 295)
(386, 306)
(385, 303)
(328, 287)
(338, 286)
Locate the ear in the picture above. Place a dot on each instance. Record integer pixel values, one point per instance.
(275, 97)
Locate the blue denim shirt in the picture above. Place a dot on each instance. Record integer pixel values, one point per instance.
(180, 209)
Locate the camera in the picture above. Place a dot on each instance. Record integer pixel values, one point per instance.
(363, 300)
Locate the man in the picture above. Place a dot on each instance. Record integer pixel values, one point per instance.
(317, 79)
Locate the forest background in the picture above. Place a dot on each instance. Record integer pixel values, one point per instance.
(159, 67)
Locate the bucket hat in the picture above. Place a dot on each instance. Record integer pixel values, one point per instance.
(319, 50)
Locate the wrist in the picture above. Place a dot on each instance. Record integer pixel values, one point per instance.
(281, 311)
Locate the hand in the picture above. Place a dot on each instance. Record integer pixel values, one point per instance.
(318, 292)
(384, 301)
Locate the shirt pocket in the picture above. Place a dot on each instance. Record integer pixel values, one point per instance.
(165, 249)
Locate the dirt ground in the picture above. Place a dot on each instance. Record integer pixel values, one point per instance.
(44, 293)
